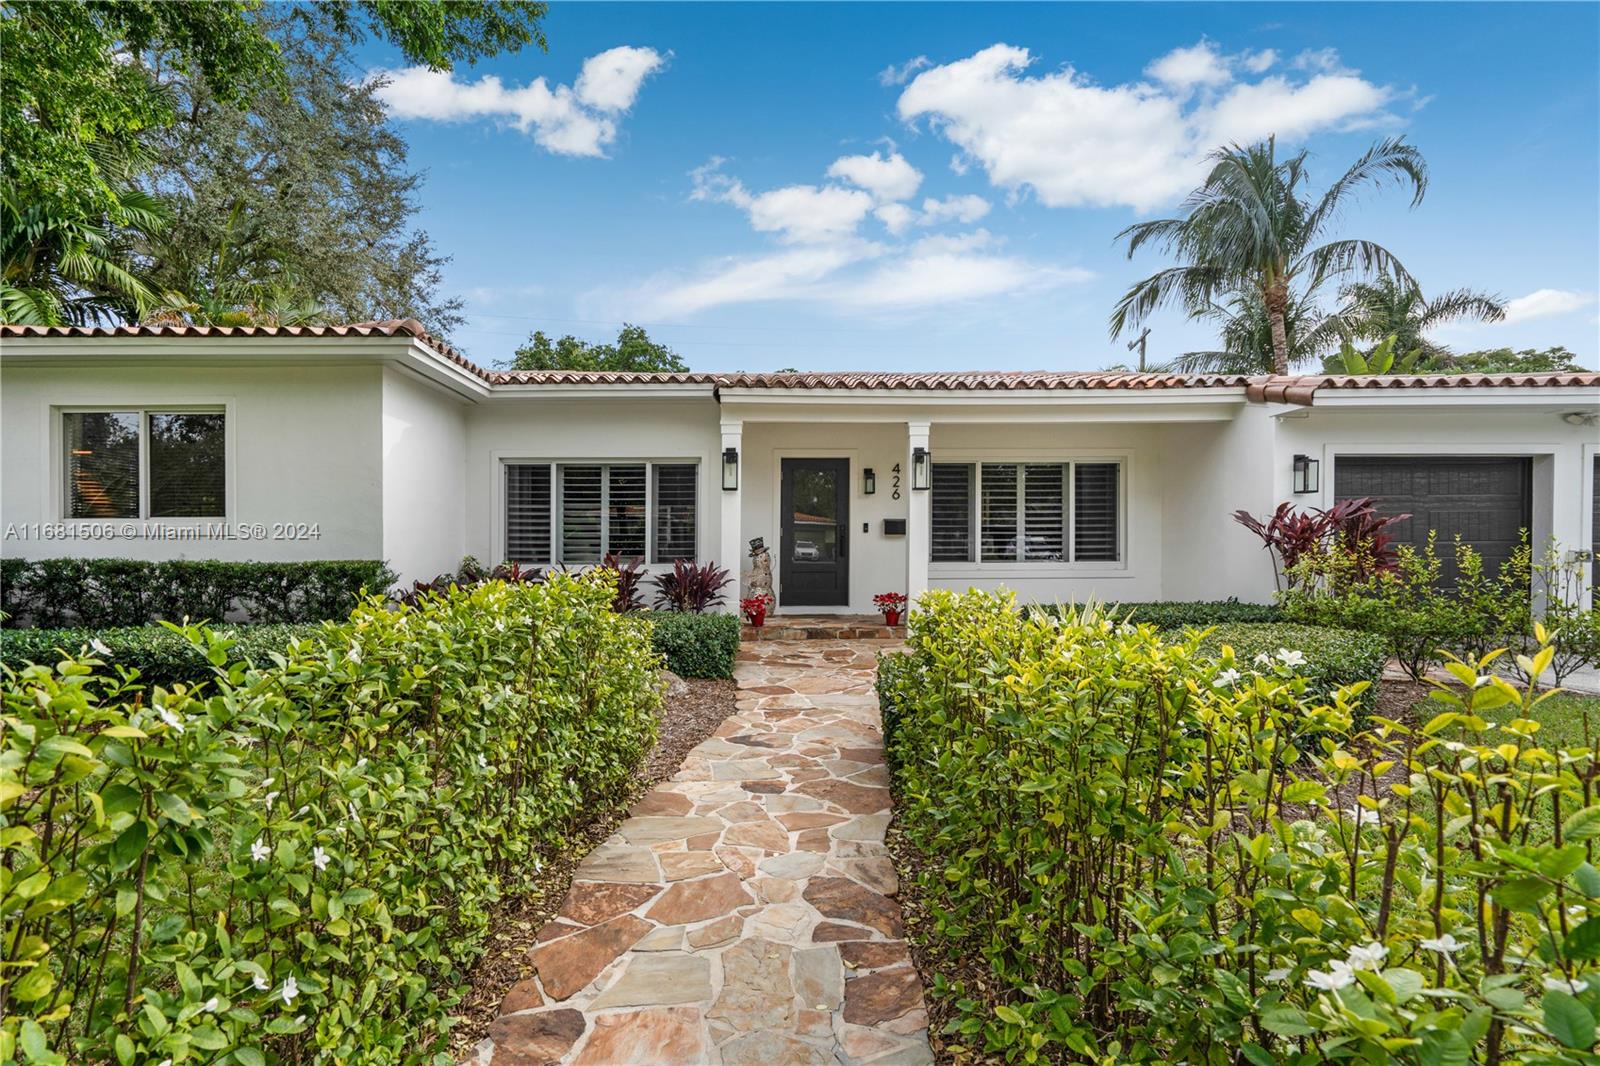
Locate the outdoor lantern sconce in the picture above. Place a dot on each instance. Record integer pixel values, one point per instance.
(919, 468)
(1306, 474)
(730, 469)
(869, 481)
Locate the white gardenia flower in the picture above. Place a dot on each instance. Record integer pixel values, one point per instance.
(270, 797)
(210, 1005)
(319, 858)
(1369, 957)
(1361, 816)
(1290, 657)
(1444, 945)
(1280, 974)
(354, 654)
(261, 982)
(361, 762)
(99, 647)
(172, 718)
(1262, 659)
(483, 760)
(291, 989)
(1338, 975)
(260, 850)
(1556, 984)
(1228, 677)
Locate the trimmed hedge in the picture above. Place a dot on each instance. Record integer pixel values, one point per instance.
(695, 645)
(96, 593)
(1334, 657)
(298, 863)
(161, 655)
(1179, 614)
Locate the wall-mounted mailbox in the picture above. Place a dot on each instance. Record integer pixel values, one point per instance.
(894, 527)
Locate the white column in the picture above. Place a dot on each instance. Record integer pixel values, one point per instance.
(919, 516)
(732, 543)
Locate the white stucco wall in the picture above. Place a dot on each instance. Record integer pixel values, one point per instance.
(1208, 471)
(304, 449)
(424, 476)
(579, 429)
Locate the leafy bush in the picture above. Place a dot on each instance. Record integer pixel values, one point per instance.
(1157, 860)
(296, 861)
(1179, 614)
(695, 645)
(1354, 528)
(161, 655)
(1329, 659)
(691, 587)
(97, 593)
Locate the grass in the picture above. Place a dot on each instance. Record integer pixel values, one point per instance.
(1560, 718)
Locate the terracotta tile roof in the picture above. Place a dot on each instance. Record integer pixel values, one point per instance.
(1299, 389)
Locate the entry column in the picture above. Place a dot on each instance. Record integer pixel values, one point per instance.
(732, 544)
(919, 513)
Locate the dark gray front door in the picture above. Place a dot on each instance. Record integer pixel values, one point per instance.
(1488, 502)
(814, 563)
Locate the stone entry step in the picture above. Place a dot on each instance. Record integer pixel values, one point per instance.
(824, 627)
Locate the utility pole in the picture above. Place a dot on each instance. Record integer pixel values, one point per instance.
(1139, 343)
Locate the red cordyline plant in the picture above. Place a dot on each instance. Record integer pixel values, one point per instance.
(1352, 526)
(690, 587)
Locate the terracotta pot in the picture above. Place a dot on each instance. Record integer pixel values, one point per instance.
(891, 616)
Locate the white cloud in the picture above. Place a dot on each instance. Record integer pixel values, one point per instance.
(939, 274)
(610, 81)
(896, 218)
(563, 120)
(798, 214)
(1259, 62)
(1186, 68)
(1140, 144)
(887, 180)
(1545, 303)
(786, 275)
(893, 75)
(963, 209)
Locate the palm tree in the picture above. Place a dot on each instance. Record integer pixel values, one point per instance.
(1246, 335)
(1384, 307)
(60, 269)
(1250, 229)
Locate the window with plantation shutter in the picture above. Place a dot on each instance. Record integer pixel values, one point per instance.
(582, 518)
(1095, 533)
(1066, 512)
(145, 464)
(677, 492)
(528, 513)
(952, 512)
(625, 520)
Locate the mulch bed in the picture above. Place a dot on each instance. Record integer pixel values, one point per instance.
(686, 720)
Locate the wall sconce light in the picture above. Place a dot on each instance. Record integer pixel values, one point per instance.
(1307, 474)
(919, 468)
(730, 469)
(869, 481)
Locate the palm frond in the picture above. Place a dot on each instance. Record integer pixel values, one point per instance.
(1391, 159)
(1462, 303)
(1343, 257)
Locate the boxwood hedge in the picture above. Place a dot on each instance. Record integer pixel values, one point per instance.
(695, 645)
(161, 655)
(1179, 614)
(1333, 657)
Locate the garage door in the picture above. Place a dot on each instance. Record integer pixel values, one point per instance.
(1488, 502)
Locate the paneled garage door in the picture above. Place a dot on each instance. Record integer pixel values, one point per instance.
(1489, 502)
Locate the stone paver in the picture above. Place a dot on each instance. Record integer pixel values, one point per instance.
(744, 912)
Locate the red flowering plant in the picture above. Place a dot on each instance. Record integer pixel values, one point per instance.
(755, 608)
(892, 604)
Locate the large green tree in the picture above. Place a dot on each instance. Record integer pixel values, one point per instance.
(1507, 361)
(299, 199)
(633, 351)
(1253, 228)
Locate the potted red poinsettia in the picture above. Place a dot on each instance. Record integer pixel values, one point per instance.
(892, 604)
(754, 608)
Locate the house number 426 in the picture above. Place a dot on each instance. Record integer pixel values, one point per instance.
(895, 495)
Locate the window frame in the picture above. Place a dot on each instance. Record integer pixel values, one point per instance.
(61, 492)
(502, 503)
(1022, 567)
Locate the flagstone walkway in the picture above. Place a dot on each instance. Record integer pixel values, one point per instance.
(743, 914)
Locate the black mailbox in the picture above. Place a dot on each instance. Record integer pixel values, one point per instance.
(894, 527)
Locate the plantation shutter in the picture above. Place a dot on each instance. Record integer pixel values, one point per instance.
(102, 464)
(582, 502)
(1000, 512)
(1094, 512)
(188, 465)
(1044, 512)
(677, 492)
(528, 513)
(625, 526)
(952, 512)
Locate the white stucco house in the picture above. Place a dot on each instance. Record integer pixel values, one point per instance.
(376, 441)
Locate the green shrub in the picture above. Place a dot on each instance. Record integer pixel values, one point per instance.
(295, 862)
(1178, 614)
(1159, 861)
(161, 655)
(694, 645)
(1333, 658)
(100, 593)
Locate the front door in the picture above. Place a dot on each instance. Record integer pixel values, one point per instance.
(814, 564)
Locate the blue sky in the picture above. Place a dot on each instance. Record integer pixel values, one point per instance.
(907, 186)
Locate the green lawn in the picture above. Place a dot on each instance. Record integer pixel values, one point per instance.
(1560, 718)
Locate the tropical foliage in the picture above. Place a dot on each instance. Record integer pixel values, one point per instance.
(1253, 229)
(297, 861)
(633, 351)
(1180, 856)
(1385, 307)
